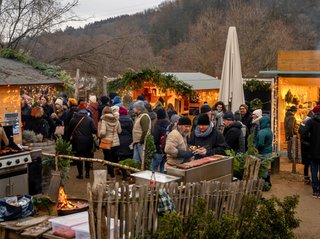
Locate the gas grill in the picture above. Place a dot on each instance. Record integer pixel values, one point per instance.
(13, 168)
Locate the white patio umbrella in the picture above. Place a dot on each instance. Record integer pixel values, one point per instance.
(231, 89)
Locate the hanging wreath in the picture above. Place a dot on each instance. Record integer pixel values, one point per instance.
(134, 80)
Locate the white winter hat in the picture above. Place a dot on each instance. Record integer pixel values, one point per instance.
(115, 109)
(59, 102)
(93, 99)
(257, 112)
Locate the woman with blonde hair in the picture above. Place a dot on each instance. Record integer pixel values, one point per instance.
(110, 130)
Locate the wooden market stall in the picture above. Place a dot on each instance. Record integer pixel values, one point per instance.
(13, 76)
(205, 86)
(297, 83)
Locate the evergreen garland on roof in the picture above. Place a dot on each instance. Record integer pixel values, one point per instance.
(134, 80)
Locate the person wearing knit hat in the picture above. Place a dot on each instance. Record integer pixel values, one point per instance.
(140, 97)
(92, 99)
(60, 114)
(159, 133)
(291, 129)
(207, 138)
(312, 131)
(72, 101)
(176, 147)
(93, 108)
(233, 133)
(246, 117)
(205, 109)
(82, 105)
(123, 111)
(256, 116)
(173, 123)
(142, 125)
(117, 101)
(123, 151)
(72, 108)
(115, 111)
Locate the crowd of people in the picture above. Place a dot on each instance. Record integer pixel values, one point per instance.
(213, 131)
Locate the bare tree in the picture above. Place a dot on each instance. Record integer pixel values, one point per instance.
(20, 19)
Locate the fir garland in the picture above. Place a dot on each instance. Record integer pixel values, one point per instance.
(254, 85)
(134, 80)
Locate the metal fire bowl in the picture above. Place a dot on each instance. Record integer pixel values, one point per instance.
(64, 212)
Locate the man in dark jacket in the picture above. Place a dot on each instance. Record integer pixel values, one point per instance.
(81, 129)
(105, 101)
(160, 129)
(205, 109)
(233, 133)
(206, 136)
(291, 129)
(246, 117)
(313, 129)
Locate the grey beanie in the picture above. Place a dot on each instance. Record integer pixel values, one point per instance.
(174, 118)
(139, 105)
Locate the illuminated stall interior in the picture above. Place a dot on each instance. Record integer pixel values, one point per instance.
(16, 78)
(206, 87)
(298, 84)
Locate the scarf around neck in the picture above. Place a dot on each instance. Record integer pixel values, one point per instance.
(205, 134)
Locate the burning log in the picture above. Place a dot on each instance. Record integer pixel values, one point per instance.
(67, 206)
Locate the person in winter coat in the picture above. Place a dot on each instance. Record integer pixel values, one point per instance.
(80, 131)
(218, 110)
(233, 133)
(206, 136)
(141, 127)
(72, 108)
(123, 151)
(44, 100)
(256, 116)
(160, 128)
(245, 131)
(176, 148)
(93, 107)
(110, 129)
(264, 138)
(105, 101)
(291, 129)
(152, 114)
(38, 124)
(305, 147)
(125, 137)
(312, 128)
(25, 112)
(246, 117)
(60, 113)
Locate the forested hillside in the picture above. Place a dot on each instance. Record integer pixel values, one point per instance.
(185, 35)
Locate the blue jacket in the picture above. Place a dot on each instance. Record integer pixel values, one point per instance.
(264, 137)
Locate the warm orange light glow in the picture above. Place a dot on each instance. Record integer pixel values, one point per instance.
(63, 201)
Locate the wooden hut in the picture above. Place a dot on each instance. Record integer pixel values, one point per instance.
(13, 76)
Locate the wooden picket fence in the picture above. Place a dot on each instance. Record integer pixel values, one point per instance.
(134, 208)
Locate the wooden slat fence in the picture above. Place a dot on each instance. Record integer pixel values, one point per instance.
(134, 208)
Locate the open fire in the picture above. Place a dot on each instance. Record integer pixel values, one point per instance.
(67, 206)
(63, 202)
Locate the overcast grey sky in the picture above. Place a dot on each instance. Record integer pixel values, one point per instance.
(102, 9)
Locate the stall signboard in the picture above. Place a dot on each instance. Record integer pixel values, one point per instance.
(13, 119)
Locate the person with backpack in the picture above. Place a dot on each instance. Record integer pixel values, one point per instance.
(312, 128)
(207, 137)
(160, 127)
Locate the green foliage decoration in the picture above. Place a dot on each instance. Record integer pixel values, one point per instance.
(62, 148)
(255, 104)
(266, 218)
(130, 163)
(134, 80)
(239, 159)
(255, 85)
(150, 151)
(46, 69)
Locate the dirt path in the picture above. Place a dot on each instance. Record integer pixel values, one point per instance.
(283, 184)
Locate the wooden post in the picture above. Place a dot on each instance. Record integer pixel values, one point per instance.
(77, 85)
